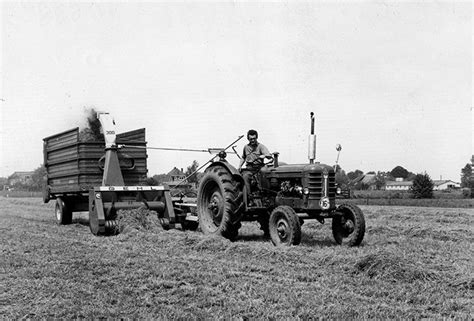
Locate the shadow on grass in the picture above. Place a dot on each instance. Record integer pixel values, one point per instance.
(306, 240)
(309, 241)
(256, 237)
(80, 220)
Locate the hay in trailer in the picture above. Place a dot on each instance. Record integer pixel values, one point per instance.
(91, 133)
(140, 219)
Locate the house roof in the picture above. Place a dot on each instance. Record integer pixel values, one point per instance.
(439, 182)
(394, 183)
(175, 172)
(365, 179)
(22, 173)
(369, 179)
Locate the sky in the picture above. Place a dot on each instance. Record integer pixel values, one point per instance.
(389, 81)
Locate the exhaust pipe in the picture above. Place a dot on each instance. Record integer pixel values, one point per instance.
(275, 159)
(312, 142)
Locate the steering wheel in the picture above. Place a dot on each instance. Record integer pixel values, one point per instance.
(261, 162)
(270, 161)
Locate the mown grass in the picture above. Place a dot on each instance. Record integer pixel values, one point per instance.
(17, 194)
(413, 263)
(445, 194)
(425, 202)
(447, 199)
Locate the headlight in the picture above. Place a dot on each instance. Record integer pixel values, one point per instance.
(305, 191)
(338, 190)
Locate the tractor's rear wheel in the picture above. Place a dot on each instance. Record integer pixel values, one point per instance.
(348, 228)
(284, 226)
(62, 211)
(217, 203)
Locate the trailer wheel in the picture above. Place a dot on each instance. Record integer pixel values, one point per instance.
(63, 213)
(217, 206)
(284, 226)
(349, 227)
(165, 223)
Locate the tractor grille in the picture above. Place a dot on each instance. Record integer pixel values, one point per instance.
(315, 185)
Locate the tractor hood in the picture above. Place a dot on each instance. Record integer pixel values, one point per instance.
(297, 169)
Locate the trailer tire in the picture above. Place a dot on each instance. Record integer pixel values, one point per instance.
(284, 226)
(349, 227)
(217, 207)
(165, 223)
(62, 211)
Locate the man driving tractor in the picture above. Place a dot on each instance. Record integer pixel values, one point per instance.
(253, 155)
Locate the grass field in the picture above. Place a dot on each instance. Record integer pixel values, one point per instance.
(413, 263)
(424, 202)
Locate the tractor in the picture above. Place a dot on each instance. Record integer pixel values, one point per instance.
(281, 198)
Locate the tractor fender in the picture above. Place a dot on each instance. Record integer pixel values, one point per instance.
(232, 170)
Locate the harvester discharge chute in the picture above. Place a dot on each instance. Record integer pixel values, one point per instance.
(113, 195)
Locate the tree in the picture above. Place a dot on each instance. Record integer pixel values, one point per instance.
(341, 178)
(422, 186)
(399, 171)
(411, 176)
(192, 170)
(3, 182)
(380, 179)
(38, 179)
(160, 178)
(466, 173)
(355, 174)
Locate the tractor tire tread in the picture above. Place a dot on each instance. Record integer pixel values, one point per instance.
(294, 225)
(357, 235)
(219, 176)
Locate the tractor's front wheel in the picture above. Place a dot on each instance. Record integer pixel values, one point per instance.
(349, 226)
(62, 211)
(217, 206)
(284, 226)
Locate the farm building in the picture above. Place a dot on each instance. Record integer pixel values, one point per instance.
(398, 185)
(442, 185)
(20, 178)
(369, 180)
(174, 177)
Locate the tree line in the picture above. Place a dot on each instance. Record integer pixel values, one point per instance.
(345, 180)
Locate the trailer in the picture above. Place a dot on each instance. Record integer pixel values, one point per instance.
(104, 176)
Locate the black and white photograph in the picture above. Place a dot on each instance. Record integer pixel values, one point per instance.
(236, 160)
